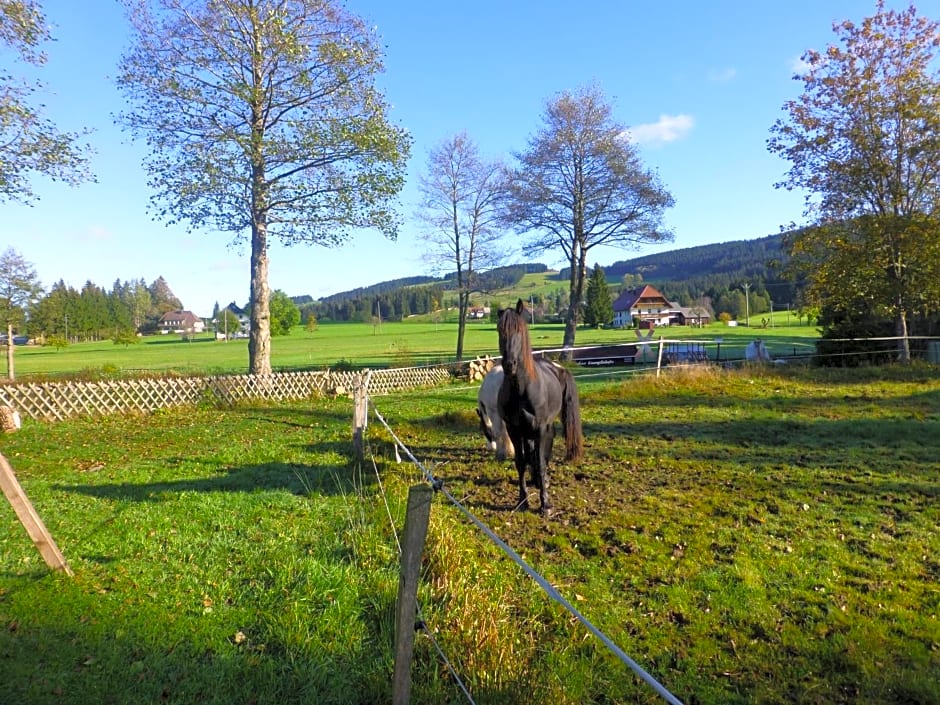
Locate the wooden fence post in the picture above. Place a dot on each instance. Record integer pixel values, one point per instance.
(416, 531)
(659, 358)
(30, 519)
(361, 413)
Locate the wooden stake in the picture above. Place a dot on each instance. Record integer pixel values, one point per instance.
(361, 413)
(30, 519)
(416, 531)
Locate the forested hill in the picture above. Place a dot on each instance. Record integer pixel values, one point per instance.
(746, 259)
(378, 289)
(725, 262)
(714, 273)
(491, 279)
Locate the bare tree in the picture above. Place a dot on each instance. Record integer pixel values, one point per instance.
(263, 119)
(29, 143)
(460, 208)
(581, 184)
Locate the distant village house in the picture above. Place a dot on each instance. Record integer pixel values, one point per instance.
(648, 308)
(180, 322)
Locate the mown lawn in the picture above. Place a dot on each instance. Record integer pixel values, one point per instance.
(746, 536)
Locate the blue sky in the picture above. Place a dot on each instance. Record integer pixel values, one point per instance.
(699, 84)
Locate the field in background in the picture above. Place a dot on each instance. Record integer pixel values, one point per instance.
(418, 340)
(401, 344)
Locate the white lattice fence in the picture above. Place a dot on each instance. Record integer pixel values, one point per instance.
(56, 401)
(385, 381)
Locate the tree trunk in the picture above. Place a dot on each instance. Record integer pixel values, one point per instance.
(259, 337)
(571, 318)
(576, 287)
(904, 343)
(11, 375)
(463, 303)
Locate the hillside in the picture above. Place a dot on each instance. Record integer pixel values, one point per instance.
(742, 258)
(688, 275)
(739, 259)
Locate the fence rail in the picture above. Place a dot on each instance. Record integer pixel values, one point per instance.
(58, 401)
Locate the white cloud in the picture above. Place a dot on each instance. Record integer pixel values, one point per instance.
(668, 128)
(798, 66)
(722, 75)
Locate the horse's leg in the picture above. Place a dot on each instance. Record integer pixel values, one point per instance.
(534, 476)
(544, 457)
(521, 459)
(520, 468)
(504, 446)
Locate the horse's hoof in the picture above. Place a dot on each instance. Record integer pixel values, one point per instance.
(547, 512)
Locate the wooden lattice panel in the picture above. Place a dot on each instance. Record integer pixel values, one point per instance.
(57, 401)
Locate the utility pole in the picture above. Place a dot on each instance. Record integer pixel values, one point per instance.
(747, 306)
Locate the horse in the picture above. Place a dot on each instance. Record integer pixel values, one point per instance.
(756, 351)
(533, 394)
(491, 420)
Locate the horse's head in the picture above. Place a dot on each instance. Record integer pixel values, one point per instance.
(514, 346)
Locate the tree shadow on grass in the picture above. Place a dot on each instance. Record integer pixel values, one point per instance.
(332, 480)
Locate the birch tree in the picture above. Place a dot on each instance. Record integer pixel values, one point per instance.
(264, 121)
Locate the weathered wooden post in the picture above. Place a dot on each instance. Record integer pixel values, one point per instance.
(361, 413)
(416, 531)
(9, 419)
(30, 519)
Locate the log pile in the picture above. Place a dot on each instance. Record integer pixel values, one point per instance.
(479, 367)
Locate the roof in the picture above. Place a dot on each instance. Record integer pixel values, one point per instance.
(628, 299)
(179, 317)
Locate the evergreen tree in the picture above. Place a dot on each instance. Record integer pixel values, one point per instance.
(599, 308)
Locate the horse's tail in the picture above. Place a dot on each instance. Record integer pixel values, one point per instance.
(571, 417)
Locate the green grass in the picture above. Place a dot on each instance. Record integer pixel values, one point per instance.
(400, 344)
(542, 284)
(747, 536)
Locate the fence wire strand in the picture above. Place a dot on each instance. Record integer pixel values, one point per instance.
(422, 621)
(548, 588)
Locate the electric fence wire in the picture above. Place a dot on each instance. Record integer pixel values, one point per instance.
(438, 485)
(422, 622)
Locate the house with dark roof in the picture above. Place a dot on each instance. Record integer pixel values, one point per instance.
(180, 322)
(648, 307)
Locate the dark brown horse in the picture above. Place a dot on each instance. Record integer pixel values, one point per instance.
(533, 394)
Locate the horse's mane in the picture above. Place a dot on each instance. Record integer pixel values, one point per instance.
(512, 324)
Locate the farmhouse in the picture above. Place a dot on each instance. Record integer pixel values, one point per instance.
(649, 307)
(180, 322)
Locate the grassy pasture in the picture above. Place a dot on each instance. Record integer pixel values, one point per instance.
(747, 536)
(401, 344)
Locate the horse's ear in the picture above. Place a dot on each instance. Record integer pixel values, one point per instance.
(520, 307)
